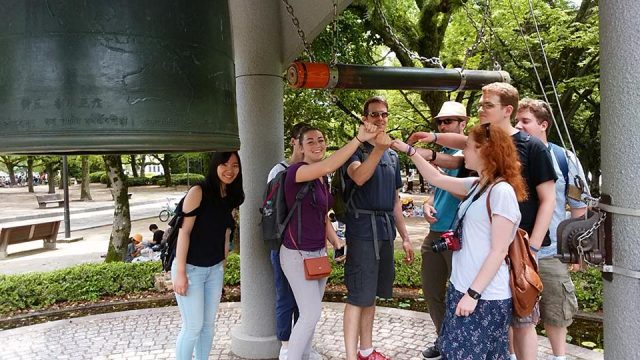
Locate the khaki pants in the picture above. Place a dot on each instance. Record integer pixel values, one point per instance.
(436, 269)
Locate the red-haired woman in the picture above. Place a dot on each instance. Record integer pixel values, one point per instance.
(479, 298)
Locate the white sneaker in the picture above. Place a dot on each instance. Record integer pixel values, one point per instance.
(283, 354)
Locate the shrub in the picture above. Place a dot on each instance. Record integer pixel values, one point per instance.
(94, 177)
(138, 181)
(588, 285)
(181, 179)
(104, 179)
(82, 282)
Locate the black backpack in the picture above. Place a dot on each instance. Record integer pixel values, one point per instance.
(168, 252)
(274, 210)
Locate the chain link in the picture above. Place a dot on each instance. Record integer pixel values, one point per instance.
(334, 50)
(584, 236)
(301, 34)
(433, 61)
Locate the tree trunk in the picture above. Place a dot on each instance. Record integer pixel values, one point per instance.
(30, 173)
(60, 182)
(12, 175)
(143, 163)
(167, 169)
(106, 169)
(134, 165)
(85, 188)
(121, 229)
(51, 178)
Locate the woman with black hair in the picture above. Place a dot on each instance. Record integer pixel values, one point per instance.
(203, 243)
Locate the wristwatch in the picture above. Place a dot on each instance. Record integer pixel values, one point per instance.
(474, 294)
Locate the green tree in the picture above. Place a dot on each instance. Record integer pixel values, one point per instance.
(121, 229)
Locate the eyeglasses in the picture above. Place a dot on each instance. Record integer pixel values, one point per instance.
(446, 121)
(375, 114)
(487, 105)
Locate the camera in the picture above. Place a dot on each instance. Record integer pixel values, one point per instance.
(448, 241)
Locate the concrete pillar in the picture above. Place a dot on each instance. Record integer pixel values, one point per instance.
(620, 128)
(259, 88)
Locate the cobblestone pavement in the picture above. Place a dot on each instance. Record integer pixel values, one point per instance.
(150, 334)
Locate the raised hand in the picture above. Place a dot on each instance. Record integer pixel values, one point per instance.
(420, 136)
(382, 140)
(367, 131)
(400, 146)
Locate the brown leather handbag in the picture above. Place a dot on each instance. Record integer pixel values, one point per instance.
(524, 279)
(317, 268)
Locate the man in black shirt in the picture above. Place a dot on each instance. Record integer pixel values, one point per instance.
(498, 106)
(157, 236)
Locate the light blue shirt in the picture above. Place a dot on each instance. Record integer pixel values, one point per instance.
(445, 203)
(560, 212)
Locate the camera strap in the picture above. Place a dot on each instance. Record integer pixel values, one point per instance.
(458, 222)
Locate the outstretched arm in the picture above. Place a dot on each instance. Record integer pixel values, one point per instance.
(330, 164)
(453, 185)
(441, 159)
(450, 140)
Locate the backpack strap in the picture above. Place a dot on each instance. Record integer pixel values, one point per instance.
(296, 205)
(561, 157)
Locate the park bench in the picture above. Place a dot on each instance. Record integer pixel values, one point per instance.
(43, 200)
(16, 234)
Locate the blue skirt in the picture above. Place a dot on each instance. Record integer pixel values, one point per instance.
(482, 335)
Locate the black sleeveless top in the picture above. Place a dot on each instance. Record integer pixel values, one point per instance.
(206, 245)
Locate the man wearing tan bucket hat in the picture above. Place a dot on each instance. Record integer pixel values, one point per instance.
(439, 211)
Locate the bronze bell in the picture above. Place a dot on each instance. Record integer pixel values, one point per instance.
(116, 76)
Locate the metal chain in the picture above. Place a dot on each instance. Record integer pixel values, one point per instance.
(301, 34)
(334, 55)
(480, 38)
(433, 61)
(586, 235)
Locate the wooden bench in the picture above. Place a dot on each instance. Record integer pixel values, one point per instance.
(43, 200)
(16, 234)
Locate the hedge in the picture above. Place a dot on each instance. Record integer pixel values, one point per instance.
(91, 281)
(181, 179)
(94, 177)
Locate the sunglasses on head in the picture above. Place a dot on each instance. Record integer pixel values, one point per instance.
(446, 121)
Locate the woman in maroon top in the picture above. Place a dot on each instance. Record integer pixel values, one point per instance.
(315, 228)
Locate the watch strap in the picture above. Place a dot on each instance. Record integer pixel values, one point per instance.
(474, 294)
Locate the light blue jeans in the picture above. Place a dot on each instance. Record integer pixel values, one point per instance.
(198, 310)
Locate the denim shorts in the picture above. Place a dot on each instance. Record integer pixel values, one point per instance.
(482, 335)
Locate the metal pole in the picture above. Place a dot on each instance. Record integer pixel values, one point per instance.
(65, 182)
(620, 138)
(321, 76)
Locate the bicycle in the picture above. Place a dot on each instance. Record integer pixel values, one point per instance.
(168, 212)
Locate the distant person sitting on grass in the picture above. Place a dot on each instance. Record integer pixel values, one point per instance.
(134, 247)
(157, 237)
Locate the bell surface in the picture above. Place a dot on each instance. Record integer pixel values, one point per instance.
(116, 76)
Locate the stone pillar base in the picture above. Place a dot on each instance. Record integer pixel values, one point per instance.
(253, 347)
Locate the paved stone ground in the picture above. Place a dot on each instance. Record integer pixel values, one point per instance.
(150, 334)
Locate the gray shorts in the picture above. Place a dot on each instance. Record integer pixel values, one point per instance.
(366, 277)
(558, 303)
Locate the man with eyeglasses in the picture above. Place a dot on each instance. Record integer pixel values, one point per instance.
(498, 107)
(440, 211)
(558, 303)
(373, 215)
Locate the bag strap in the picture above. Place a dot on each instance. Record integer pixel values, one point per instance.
(296, 205)
(561, 157)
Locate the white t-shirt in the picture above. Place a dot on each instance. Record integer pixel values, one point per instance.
(476, 239)
(282, 165)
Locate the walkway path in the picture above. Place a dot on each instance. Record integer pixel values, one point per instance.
(150, 334)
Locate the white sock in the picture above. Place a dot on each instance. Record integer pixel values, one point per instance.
(366, 352)
(513, 357)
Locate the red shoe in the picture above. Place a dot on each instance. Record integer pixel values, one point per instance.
(373, 356)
